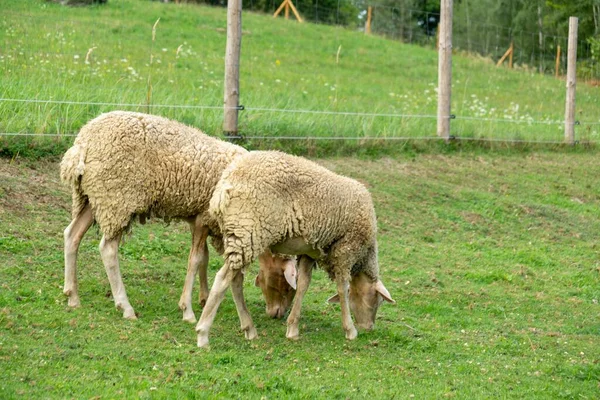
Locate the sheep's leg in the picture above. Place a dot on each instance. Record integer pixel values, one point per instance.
(109, 251)
(215, 297)
(305, 268)
(237, 289)
(73, 235)
(197, 262)
(203, 273)
(343, 288)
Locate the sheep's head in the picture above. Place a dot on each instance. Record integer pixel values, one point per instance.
(365, 298)
(277, 280)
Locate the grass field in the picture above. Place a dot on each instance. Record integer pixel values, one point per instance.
(491, 255)
(492, 258)
(101, 56)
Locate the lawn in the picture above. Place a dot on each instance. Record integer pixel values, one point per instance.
(491, 254)
(492, 258)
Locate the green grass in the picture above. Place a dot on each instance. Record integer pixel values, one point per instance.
(492, 258)
(284, 66)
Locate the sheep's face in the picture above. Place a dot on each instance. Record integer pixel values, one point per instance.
(277, 280)
(365, 298)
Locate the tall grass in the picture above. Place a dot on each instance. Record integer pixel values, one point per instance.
(387, 88)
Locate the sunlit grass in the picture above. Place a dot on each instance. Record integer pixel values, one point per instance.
(382, 88)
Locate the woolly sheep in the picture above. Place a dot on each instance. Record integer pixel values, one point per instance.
(125, 165)
(290, 205)
(277, 280)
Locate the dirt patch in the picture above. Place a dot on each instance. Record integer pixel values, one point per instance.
(473, 218)
(27, 185)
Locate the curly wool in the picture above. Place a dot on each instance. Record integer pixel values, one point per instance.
(267, 197)
(128, 164)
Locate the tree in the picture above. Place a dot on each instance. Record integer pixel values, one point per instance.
(536, 27)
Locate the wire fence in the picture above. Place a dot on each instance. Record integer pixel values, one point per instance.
(314, 112)
(532, 49)
(296, 111)
(492, 42)
(497, 121)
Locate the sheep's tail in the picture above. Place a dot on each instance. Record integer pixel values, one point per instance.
(72, 165)
(219, 200)
(72, 168)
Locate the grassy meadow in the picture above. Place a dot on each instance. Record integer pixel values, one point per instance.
(493, 260)
(491, 254)
(102, 58)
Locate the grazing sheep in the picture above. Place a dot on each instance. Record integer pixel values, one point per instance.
(277, 280)
(125, 165)
(290, 205)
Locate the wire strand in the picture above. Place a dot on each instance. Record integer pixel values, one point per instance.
(349, 138)
(92, 103)
(297, 111)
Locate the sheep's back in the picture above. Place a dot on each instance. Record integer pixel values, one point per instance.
(299, 198)
(142, 164)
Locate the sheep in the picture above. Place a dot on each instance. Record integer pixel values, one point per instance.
(124, 165)
(277, 280)
(290, 205)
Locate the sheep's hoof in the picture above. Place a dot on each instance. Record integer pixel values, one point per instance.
(191, 318)
(203, 341)
(351, 334)
(251, 333)
(188, 313)
(202, 302)
(292, 333)
(129, 314)
(74, 302)
(73, 298)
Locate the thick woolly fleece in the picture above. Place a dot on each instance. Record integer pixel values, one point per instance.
(266, 197)
(129, 164)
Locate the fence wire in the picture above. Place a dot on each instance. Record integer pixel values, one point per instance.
(315, 112)
(499, 37)
(296, 111)
(349, 138)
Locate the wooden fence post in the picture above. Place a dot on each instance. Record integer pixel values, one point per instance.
(571, 79)
(444, 70)
(509, 53)
(232, 67)
(368, 24)
(286, 6)
(557, 66)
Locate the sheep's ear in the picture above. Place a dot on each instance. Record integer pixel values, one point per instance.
(290, 273)
(384, 292)
(334, 299)
(257, 281)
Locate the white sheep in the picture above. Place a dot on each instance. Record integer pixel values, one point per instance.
(290, 205)
(277, 280)
(125, 165)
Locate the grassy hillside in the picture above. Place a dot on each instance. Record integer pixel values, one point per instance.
(102, 55)
(492, 257)
(493, 261)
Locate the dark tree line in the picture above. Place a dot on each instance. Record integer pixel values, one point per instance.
(536, 27)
